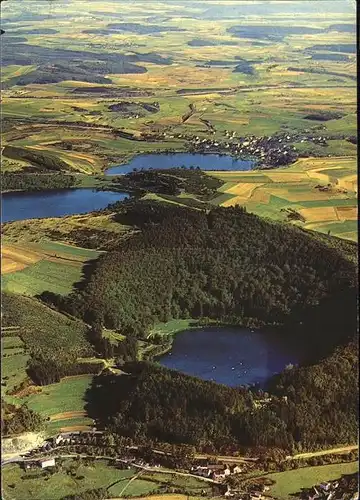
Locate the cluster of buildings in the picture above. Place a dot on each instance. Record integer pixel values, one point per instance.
(271, 151)
(345, 488)
(215, 471)
(258, 492)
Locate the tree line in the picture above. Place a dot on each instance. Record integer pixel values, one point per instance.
(36, 182)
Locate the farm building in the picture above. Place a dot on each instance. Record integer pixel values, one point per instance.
(47, 463)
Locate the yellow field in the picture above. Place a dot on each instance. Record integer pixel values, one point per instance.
(285, 176)
(243, 189)
(319, 214)
(305, 164)
(175, 76)
(349, 182)
(10, 266)
(67, 415)
(347, 213)
(15, 258)
(75, 428)
(298, 187)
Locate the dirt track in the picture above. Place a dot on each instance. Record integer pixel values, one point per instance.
(67, 415)
(343, 449)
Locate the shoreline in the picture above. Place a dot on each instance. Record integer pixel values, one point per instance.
(152, 356)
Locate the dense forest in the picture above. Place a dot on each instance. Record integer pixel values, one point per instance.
(33, 182)
(320, 409)
(224, 264)
(16, 420)
(172, 181)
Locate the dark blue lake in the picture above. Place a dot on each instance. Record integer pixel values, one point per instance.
(232, 356)
(55, 203)
(164, 161)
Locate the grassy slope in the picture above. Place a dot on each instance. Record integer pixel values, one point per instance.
(59, 266)
(290, 482)
(60, 484)
(64, 396)
(41, 329)
(60, 229)
(43, 276)
(95, 476)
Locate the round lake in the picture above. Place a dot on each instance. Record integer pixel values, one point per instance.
(55, 203)
(165, 161)
(231, 356)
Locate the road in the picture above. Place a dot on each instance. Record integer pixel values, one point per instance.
(342, 449)
(221, 458)
(226, 458)
(143, 468)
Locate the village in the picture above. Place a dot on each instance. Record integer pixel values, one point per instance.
(271, 151)
(230, 477)
(332, 490)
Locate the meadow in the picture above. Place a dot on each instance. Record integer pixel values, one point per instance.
(64, 403)
(33, 268)
(14, 362)
(65, 396)
(30, 329)
(43, 276)
(90, 230)
(59, 484)
(290, 482)
(98, 474)
(43, 328)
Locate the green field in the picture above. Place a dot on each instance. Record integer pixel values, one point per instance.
(60, 483)
(100, 474)
(136, 488)
(53, 428)
(70, 251)
(191, 483)
(65, 396)
(11, 343)
(43, 276)
(290, 482)
(171, 327)
(13, 370)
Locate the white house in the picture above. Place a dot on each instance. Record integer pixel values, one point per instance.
(47, 463)
(58, 439)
